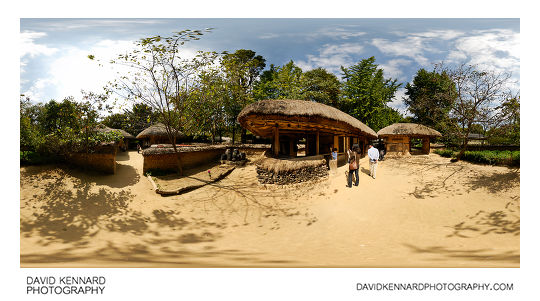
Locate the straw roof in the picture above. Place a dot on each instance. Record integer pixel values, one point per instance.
(408, 129)
(158, 130)
(105, 129)
(308, 113)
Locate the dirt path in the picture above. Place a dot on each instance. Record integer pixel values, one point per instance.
(421, 211)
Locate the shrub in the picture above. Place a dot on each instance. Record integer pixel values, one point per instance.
(447, 153)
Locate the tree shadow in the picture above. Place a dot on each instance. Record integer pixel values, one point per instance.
(442, 253)
(70, 215)
(70, 212)
(496, 182)
(505, 221)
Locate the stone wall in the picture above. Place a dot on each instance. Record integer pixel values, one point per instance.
(293, 176)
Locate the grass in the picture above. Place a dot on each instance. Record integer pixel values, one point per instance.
(484, 157)
(35, 158)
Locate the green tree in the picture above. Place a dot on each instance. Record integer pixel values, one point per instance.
(321, 86)
(280, 83)
(161, 79)
(242, 68)
(480, 94)
(366, 93)
(430, 98)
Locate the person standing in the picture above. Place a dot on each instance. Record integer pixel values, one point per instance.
(353, 166)
(373, 155)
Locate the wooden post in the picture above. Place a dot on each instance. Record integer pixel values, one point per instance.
(291, 148)
(425, 145)
(276, 141)
(317, 143)
(336, 141)
(307, 147)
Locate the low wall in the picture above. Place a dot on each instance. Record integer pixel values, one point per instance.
(164, 158)
(103, 162)
(282, 172)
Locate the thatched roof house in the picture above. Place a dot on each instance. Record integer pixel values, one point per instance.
(287, 121)
(156, 134)
(397, 137)
(103, 128)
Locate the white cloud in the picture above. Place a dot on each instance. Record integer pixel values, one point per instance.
(412, 46)
(392, 68)
(327, 32)
(29, 49)
(397, 102)
(439, 34)
(494, 49)
(332, 57)
(72, 71)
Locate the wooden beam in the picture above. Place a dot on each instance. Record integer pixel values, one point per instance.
(336, 141)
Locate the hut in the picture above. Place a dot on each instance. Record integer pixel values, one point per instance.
(322, 127)
(156, 134)
(124, 144)
(397, 137)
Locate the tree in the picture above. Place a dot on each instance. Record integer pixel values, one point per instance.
(321, 86)
(161, 79)
(366, 93)
(242, 68)
(480, 95)
(209, 101)
(280, 83)
(430, 98)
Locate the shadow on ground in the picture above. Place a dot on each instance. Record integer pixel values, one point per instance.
(72, 213)
(442, 254)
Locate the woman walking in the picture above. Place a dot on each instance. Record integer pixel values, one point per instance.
(353, 166)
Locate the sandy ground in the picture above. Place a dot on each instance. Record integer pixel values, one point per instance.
(421, 211)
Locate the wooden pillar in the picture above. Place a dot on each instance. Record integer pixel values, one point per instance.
(336, 141)
(307, 145)
(317, 143)
(291, 148)
(425, 145)
(276, 141)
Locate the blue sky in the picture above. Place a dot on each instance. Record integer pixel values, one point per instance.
(54, 52)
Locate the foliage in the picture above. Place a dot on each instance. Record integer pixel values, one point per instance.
(430, 98)
(52, 130)
(485, 157)
(321, 86)
(480, 94)
(160, 78)
(367, 93)
(242, 69)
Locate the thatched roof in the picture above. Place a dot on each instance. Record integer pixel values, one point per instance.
(283, 166)
(408, 129)
(308, 113)
(158, 130)
(103, 128)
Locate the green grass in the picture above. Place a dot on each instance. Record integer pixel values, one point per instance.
(35, 158)
(484, 157)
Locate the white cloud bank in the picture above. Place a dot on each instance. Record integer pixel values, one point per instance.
(332, 57)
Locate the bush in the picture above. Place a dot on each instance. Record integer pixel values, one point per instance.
(447, 153)
(484, 157)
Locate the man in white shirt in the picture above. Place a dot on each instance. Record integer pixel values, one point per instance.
(373, 155)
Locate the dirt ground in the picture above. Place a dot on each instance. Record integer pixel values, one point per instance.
(421, 211)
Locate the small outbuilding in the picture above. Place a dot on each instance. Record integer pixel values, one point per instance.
(156, 134)
(125, 141)
(397, 137)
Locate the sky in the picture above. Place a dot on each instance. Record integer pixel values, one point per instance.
(54, 63)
